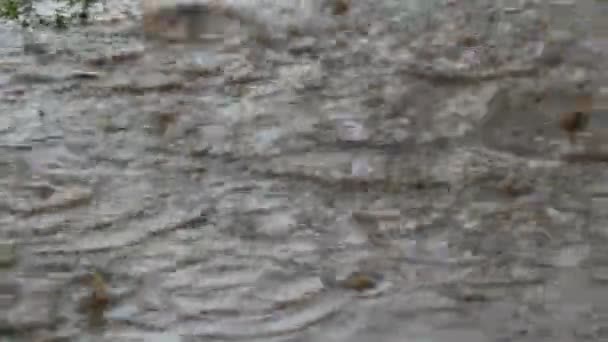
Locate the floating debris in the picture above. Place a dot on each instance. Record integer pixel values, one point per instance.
(99, 295)
(95, 303)
(572, 123)
(64, 199)
(117, 57)
(515, 186)
(184, 21)
(166, 120)
(85, 75)
(578, 119)
(359, 281)
(340, 7)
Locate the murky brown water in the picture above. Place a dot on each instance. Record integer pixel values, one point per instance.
(233, 191)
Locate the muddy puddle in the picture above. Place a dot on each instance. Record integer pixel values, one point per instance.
(364, 177)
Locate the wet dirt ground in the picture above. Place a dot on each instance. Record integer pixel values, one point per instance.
(356, 179)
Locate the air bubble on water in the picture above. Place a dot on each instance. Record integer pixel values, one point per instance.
(442, 250)
(471, 57)
(352, 131)
(360, 167)
(538, 48)
(410, 248)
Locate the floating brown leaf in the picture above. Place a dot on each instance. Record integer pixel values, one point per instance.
(340, 7)
(99, 294)
(359, 282)
(573, 122)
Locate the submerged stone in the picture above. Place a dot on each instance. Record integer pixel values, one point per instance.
(8, 255)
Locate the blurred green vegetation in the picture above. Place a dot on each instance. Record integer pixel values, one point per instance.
(69, 12)
(10, 9)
